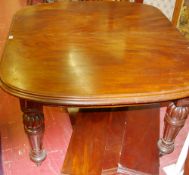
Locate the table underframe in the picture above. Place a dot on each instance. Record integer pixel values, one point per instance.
(110, 140)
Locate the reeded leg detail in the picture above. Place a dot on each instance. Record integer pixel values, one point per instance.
(175, 118)
(33, 120)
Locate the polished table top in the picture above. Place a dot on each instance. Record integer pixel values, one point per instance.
(95, 53)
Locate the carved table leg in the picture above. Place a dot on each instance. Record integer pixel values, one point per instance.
(33, 120)
(175, 118)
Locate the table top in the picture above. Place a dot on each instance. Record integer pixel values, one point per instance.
(95, 53)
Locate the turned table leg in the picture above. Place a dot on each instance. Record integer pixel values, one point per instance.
(33, 119)
(175, 118)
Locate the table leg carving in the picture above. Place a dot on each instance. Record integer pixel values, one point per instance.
(33, 119)
(175, 118)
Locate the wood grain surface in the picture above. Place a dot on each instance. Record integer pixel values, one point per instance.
(113, 141)
(95, 53)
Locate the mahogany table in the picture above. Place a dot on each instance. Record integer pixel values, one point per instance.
(95, 54)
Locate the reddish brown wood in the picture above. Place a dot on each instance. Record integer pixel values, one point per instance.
(94, 54)
(104, 142)
(139, 1)
(126, 60)
(86, 148)
(174, 120)
(33, 119)
(182, 102)
(31, 2)
(140, 152)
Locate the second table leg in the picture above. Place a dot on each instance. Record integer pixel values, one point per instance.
(175, 118)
